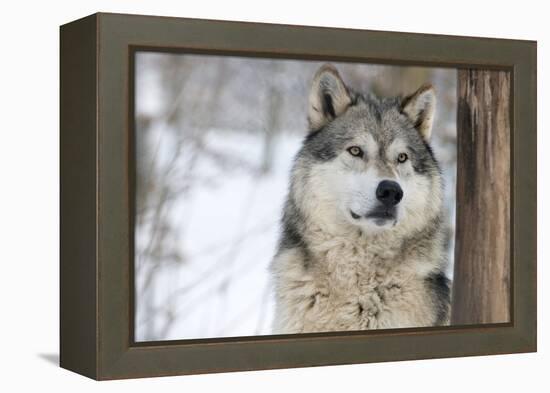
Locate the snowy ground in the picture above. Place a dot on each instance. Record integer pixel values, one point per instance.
(229, 232)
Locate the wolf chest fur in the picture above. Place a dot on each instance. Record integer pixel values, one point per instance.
(363, 240)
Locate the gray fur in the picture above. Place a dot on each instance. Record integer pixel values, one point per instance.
(333, 271)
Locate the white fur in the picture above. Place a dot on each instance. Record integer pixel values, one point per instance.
(358, 285)
(359, 279)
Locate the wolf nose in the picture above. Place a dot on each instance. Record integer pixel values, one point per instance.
(389, 193)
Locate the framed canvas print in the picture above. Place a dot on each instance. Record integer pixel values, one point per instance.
(241, 196)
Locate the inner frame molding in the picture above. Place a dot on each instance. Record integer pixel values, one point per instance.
(96, 267)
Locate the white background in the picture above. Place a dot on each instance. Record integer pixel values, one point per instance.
(29, 212)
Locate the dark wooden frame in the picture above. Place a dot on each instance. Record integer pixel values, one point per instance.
(96, 203)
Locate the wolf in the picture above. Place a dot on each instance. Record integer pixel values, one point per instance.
(363, 239)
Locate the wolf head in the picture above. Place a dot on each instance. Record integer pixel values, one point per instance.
(366, 161)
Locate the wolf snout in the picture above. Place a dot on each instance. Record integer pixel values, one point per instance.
(389, 193)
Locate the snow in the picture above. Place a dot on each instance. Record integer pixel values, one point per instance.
(228, 233)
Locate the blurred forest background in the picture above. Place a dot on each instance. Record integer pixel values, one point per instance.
(215, 141)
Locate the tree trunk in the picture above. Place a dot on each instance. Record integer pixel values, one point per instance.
(481, 287)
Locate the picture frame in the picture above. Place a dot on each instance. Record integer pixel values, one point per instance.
(97, 168)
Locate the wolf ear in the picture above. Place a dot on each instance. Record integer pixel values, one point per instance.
(328, 98)
(420, 108)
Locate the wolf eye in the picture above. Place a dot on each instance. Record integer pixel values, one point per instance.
(355, 151)
(402, 157)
